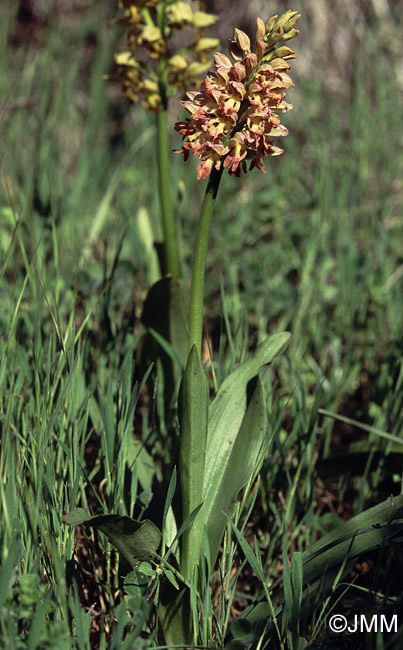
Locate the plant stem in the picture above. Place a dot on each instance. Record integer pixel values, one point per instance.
(171, 252)
(199, 261)
(171, 262)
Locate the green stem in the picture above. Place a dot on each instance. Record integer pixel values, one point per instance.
(199, 261)
(171, 252)
(171, 262)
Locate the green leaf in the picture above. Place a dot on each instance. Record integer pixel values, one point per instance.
(76, 517)
(147, 569)
(245, 452)
(372, 529)
(136, 541)
(229, 405)
(169, 524)
(248, 552)
(193, 412)
(175, 623)
(236, 434)
(170, 576)
(364, 427)
(135, 585)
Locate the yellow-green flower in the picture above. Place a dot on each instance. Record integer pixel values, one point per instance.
(234, 115)
(149, 41)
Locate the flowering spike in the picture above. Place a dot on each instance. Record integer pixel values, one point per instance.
(151, 24)
(234, 115)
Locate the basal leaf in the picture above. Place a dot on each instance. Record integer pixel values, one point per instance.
(136, 541)
(374, 528)
(236, 432)
(193, 412)
(241, 461)
(229, 406)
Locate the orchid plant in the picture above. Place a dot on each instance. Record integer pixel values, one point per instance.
(234, 121)
(149, 70)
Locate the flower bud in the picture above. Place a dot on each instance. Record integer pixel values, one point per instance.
(291, 22)
(283, 53)
(261, 29)
(269, 24)
(260, 48)
(238, 72)
(250, 62)
(291, 34)
(242, 40)
(284, 20)
(179, 13)
(276, 37)
(222, 60)
(195, 69)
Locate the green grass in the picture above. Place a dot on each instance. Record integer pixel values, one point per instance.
(314, 246)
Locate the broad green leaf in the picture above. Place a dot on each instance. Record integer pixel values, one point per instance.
(229, 406)
(136, 541)
(372, 529)
(244, 456)
(193, 413)
(136, 578)
(236, 433)
(135, 585)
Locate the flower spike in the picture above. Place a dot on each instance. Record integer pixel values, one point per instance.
(150, 39)
(234, 115)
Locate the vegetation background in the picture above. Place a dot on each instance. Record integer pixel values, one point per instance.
(315, 247)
